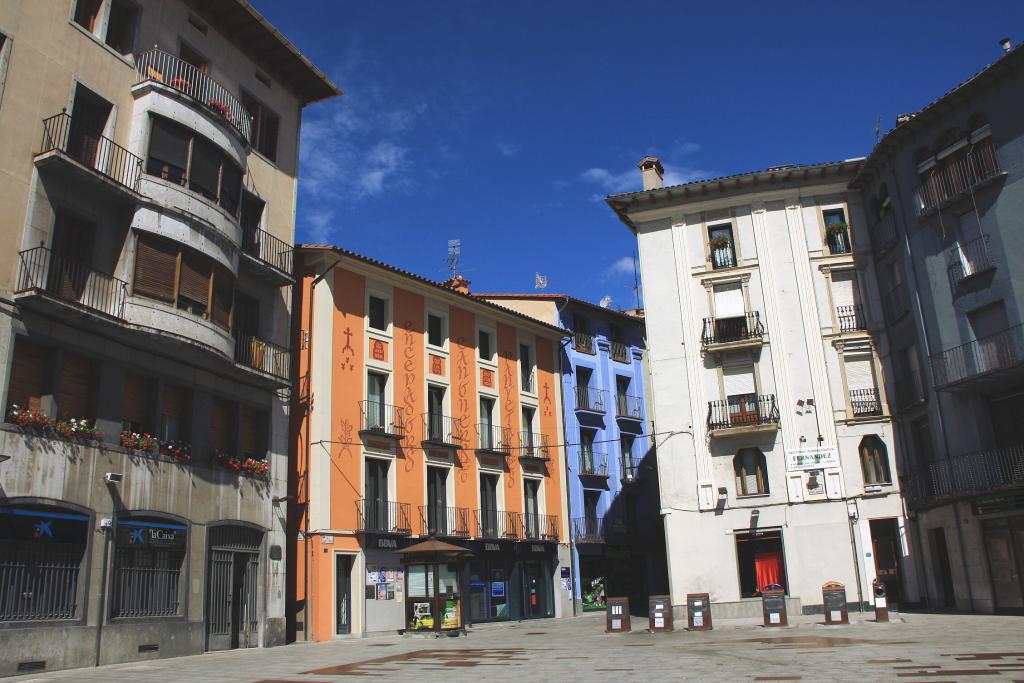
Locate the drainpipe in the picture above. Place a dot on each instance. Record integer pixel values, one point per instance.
(103, 592)
(853, 519)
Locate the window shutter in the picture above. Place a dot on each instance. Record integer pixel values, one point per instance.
(230, 188)
(134, 406)
(223, 296)
(168, 151)
(195, 279)
(26, 386)
(204, 174)
(175, 402)
(155, 264)
(738, 380)
(75, 383)
(842, 288)
(220, 426)
(858, 372)
(253, 433)
(729, 301)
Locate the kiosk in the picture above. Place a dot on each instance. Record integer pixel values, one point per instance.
(433, 591)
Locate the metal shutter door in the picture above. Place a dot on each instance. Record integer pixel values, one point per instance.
(729, 301)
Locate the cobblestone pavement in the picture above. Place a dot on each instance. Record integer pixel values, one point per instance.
(922, 648)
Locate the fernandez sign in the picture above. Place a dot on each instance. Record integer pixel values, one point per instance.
(811, 459)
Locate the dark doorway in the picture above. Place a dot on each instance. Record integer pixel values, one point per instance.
(536, 590)
(89, 115)
(232, 607)
(887, 549)
(343, 594)
(1004, 545)
(761, 561)
(940, 565)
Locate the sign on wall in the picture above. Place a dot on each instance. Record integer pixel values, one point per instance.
(811, 458)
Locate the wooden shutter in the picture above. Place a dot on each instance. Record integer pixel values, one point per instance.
(223, 296)
(156, 262)
(75, 385)
(175, 402)
(221, 425)
(26, 387)
(253, 432)
(204, 172)
(135, 394)
(194, 282)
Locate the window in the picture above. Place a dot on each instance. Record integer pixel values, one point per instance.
(77, 380)
(874, 461)
(627, 465)
(837, 232)
(174, 412)
(484, 345)
(375, 492)
(221, 420)
(844, 297)
(761, 561)
(531, 495)
(148, 556)
(251, 218)
(121, 26)
(376, 386)
(43, 550)
(135, 403)
(435, 330)
(253, 433)
(489, 505)
(435, 414)
(488, 439)
(28, 368)
(265, 125)
(191, 56)
(722, 246)
(751, 472)
(86, 14)
(588, 460)
(858, 362)
(378, 315)
(437, 501)
(182, 157)
(526, 368)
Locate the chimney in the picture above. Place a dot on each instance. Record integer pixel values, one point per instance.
(458, 283)
(1007, 44)
(652, 173)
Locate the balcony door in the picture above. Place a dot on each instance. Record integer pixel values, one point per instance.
(591, 524)
(89, 116)
(587, 459)
(740, 391)
(531, 491)
(487, 423)
(437, 501)
(970, 256)
(71, 260)
(730, 313)
(489, 505)
(435, 414)
(622, 394)
(375, 493)
(376, 385)
(994, 350)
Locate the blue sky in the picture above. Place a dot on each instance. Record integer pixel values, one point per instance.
(504, 124)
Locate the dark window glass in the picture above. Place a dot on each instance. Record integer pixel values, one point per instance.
(121, 27)
(205, 172)
(484, 344)
(168, 151)
(230, 187)
(378, 313)
(435, 330)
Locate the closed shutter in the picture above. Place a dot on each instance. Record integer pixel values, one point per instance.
(134, 406)
(195, 279)
(253, 433)
(26, 386)
(739, 380)
(223, 296)
(729, 301)
(75, 384)
(221, 425)
(204, 174)
(230, 188)
(175, 402)
(842, 288)
(858, 371)
(156, 262)
(168, 151)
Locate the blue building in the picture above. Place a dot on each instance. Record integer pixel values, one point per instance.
(618, 546)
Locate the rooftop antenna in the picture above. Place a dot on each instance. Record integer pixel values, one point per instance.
(636, 281)
(454, 250)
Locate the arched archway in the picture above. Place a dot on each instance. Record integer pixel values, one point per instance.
(874, 460)
(751, 471)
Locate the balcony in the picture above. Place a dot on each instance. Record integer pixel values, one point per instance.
(850, 318)
(743, 414)
(76, 151)
(596, 529)
(590, 400)
(593, 463)
(583, 343)
(620, 351)
(734, 332)
(540, 527)
(865, 403)
(498, 524)
(723, 256)
(446, 522)
(630, 468)
(965, 261)
(895, 304)
(442, 431)
(494, 440)
(956, 176)
(263, 356)
(980, 359)
(383, 517)
(629, 407)
(534, 446)
(944, 481)
(174, 72)
(909, 389)
(269, 255)
(837, 237)
(70, 283)
(381, 420)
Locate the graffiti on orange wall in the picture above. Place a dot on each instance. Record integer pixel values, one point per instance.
(348, 353)
(462, 394)
(408, 395)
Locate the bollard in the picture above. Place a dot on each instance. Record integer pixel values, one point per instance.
(617, 616)
(833, 596)
(698, 611)
(881, 605)
(659, 613)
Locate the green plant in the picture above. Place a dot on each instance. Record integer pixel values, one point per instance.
(30, 418)
(137, 442)
(75, 428)
(834, 229)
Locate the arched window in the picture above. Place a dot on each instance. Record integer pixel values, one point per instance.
(149, 553)
(751, 472)
(874, 461)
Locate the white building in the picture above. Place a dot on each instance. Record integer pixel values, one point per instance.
(775, 444)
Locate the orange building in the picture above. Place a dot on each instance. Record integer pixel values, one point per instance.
(420, 411)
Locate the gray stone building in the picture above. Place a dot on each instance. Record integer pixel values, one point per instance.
(944, 198)
(148, 170)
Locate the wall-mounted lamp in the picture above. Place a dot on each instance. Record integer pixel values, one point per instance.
(723, 493)
(113, 477)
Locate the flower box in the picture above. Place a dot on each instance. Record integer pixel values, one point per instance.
(179, 450)
(720, 243)
(833, 229)
(77, 429)
(138, 442)
(251, 467)
(30, 419)
(222, 109)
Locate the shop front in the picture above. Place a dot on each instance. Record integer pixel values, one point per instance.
(384, 582)
(433, 586)
(511, 580)
(608, 570)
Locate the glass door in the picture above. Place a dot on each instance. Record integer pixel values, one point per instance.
(437, 494)
(376, 495)
(531, 489)
(343, 594)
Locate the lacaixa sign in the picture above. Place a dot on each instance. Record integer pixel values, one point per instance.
(151, 534)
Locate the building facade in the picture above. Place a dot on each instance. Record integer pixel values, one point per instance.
(423, 412)
(943, 194)
(611, 464)
(775, 447)
(149, 170)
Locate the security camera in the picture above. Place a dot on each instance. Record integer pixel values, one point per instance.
(106, 523)
(113, 477)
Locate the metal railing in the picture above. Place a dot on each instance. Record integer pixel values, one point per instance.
(883, 234)
(965, 260)
(996, 352)
(590, 399)
(443, 430)
(629, 407)
(381, 418)
(597, 529)
(987, 471)
(259, 354)
(620, 351)
(629, 468)
(440, 520)
(71, 281)
(850, 318)
(39, 581)
(498, 524)
(383, 516)
(895, 303)
(583, 342)
(533, 445)
(266, 248)
(593, 463)
(838, 239)
(956, 175)
(865, 402)
(732, 329)
(743, 411)
(167, 69)
(494, 439)
(909, 389)
(91, 149)
(538, 527)
(145, 582)
(723, 257)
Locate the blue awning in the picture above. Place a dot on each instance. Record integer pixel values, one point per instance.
(42, 514)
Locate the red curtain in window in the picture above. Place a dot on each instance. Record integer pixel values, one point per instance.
(768, 567)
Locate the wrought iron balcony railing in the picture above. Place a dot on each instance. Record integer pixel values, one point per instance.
(883, 234)
(957, 175)
(850, 318)
(174, 72)
(593, 463)
(267, 249)
(865, 402)
(620, 351)
(443, 430)
(533, 445)
(262, 355)
(723, 257)
(597, 529)
(82, 143)
(981, 357)
(383, 516)
(589, 399)
(988, 471)
(732, 329)
(494, 439)
(498, 524)
(838, 239)
(749, 410)
(381, 419)
(538, 527)
(629, 468)
(629, 407)
(72, 282)
(583, 342)
(895, 304)
(440, 520)
(966, 260)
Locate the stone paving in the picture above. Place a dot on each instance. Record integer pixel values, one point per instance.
(915, 648)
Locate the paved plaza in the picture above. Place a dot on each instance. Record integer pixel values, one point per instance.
(918, 648)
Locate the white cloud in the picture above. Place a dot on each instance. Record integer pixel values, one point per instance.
(507, 149)
(623, 266)
(631, 181)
